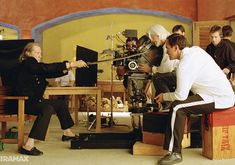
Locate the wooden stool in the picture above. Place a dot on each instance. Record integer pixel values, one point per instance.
(218, 134)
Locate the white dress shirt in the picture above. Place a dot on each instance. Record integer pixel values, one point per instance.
(166, 65)
(198, 72)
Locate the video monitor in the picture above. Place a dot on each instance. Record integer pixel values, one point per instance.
(86, 76)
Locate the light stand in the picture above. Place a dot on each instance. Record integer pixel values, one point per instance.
(111, 37)
(111, 100)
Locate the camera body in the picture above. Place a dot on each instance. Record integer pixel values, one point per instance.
(133, 63)
(136, 83)
(134, 80)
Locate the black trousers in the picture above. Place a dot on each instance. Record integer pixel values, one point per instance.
(43, 110)
(164, 82)
(178, 112)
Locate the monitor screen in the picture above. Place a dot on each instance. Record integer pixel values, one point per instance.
(86, 76)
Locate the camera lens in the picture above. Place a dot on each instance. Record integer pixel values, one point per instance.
(132, 65)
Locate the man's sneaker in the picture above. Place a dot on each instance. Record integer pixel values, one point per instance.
(170, 158)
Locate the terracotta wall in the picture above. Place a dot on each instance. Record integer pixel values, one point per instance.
(28, 13)
(215, 9)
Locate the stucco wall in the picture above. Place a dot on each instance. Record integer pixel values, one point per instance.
(59, 41)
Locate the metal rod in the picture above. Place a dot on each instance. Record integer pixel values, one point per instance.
(116, 59)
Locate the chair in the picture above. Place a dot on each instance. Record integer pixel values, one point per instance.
(9, 66)
(20, 117)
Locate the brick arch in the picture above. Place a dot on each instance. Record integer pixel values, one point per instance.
(37, 30)
(16, 28)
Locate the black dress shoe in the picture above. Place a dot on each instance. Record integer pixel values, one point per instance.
(68, 138)
(170, 158)
(34, 151)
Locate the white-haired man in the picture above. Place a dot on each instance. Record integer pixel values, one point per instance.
(164, 78)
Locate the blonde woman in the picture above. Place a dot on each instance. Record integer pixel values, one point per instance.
(32, 82)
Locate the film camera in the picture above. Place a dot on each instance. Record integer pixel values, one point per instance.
(138, 51)
(137, 81)
(134, 80)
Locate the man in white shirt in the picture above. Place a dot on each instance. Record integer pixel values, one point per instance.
(164, 79)
(198, 72)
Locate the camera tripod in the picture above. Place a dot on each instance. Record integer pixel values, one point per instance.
(108, 119)
(111, 52)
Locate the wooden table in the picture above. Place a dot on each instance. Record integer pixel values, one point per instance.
(117, 87)
(78, 91)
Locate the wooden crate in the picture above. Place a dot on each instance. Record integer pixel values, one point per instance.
(140, 148)
(153, 138)
(219, 142)
(219, 137)
(158, 139)
(154, 127)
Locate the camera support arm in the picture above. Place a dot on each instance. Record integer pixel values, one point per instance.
(116, 59)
